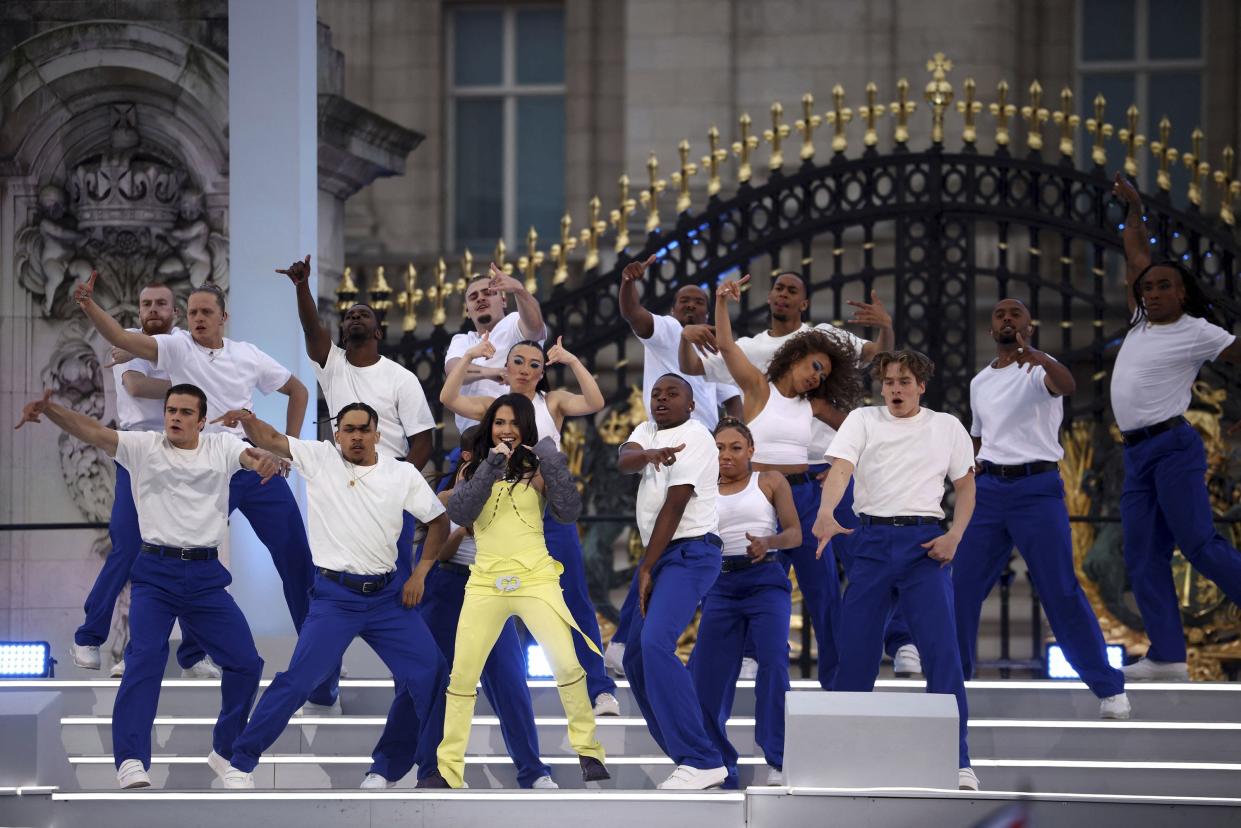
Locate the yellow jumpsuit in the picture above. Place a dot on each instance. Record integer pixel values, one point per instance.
(513, 574)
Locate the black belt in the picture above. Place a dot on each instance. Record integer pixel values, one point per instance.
(798, 478)
(900, 520)
(1022, 470)
(185, 553)
(736, 563)
(1139, 435)
(710, 538)
(455, 568)
(361, 584)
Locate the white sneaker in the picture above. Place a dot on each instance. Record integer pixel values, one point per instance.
(131, 774)
(312, 709)
(613, 659)
(118, 670)
(218, 764)
(967, 780)
(775, 777)
(685, 778)
(85, 656)
(237, 779)
(1115, 707)
(205, 668)
(907, 661)
(1146, 670)
(375, 782)
(545, 783)
(749, 669)
(607, 705)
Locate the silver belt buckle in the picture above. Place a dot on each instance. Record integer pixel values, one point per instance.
(185, 554)
(508, 583)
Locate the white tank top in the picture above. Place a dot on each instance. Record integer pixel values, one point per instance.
(543, 418)
(466, 552)
(782, 430)
(748, 510)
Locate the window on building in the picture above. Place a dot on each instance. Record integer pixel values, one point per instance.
(506, 124)
(1150, 53)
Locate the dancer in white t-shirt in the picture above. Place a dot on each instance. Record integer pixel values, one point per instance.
(1172, 333)
(900, 454)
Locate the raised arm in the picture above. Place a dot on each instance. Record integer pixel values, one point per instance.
(640, 320)
(1137, 244)
(1059, 379)
(827, 413)
(262, 434)
(299, 398)
(136, 343)
(633, 458)
(566, 403)
(71, 422)
(318, 339)
(873, 314)
(749, 379)
(473, 408)
(138, 384)
(469, 496)
(529, 314)
(564, 501)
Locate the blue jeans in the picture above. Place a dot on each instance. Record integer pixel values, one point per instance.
(566, 547)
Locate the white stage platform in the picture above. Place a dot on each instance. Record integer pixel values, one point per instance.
(1177, 762)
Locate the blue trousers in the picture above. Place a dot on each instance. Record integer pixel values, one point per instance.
(890, 565)
(1165, 501)
(503, 680)
(1029, 512)
(566, 547)
(753, 605)
(661, 684)
(166, 590)
(817, 578)
(337, 615)
(126, 543)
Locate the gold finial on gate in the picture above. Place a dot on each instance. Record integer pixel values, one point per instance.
(409, 298)
(467, 273)
(1198, 169)
(593, 230)
(969, 108)
(346, 291)
(1228, 189)
(806, 125)
(838, 118)
(649, 197)
(1002, 110)
(379, 294)
(870, 113)
(499, 255)
(439, 293)
(743, 147)
(1067, 122)
(715, 156)
(902, 108)
(529, 264)
(680, 178)
(1035, 115)
(619, 218)
(560, 250)
(1166, 154)
(775, 136)
(1131, 139)
(938, 94)
(1100, 129)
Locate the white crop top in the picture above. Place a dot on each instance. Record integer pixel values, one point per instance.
(466, 552)
(543, 418)
(782, 430)
(748, 510)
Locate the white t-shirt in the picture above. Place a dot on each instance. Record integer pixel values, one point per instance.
(1157, 366)
(760, 349)
(389, 388)
(354, 528)
(137, 413)
(901, 462)
(698, 464)
(1016, 415)
(505, 334)
(660, 357)
(228, 375)
(181, 494)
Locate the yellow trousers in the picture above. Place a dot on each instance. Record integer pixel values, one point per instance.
(482, 618)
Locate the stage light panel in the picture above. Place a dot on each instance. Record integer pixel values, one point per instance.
(25, 659)
(537, 665)
(1058, 666)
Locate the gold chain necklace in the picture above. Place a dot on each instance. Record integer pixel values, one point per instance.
(357, 477)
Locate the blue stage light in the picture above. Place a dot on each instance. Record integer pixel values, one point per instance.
(26, 659)
(1058, 666)
(537, 665)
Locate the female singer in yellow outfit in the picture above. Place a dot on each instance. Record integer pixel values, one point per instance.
(505, 488)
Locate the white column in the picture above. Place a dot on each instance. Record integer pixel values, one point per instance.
(273, 219)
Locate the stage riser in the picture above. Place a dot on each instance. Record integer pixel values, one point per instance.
(1106, 742)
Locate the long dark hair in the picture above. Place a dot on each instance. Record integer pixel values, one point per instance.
(543, 386)
(1196, 301)
(843, 386)
(522, 464)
